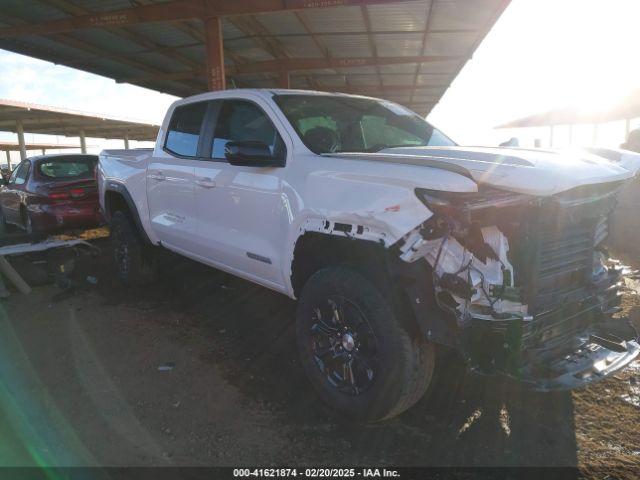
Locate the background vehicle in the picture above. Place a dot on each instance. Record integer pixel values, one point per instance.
(392, 238)
(50, 192)
(5, 173)
(633, 141)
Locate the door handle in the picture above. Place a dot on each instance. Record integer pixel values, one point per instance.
(205, 182)
(157, 176)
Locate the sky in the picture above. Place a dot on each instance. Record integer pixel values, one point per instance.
(541, 54)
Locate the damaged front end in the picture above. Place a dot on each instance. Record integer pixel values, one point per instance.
(524, 284)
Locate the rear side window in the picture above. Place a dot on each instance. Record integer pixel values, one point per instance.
(183, 134)
(67, 168)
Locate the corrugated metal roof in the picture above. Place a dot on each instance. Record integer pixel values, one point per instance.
(405, 16)
(371, 39)
(344, 19)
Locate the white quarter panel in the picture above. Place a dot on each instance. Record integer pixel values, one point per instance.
(127, 169)
(172, 203)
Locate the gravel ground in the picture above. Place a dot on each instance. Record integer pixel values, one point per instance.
(202, 369)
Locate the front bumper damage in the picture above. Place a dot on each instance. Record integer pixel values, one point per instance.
(599, 353)
(541, 308)
(578, 344)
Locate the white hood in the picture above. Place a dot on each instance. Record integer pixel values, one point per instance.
(534, 172)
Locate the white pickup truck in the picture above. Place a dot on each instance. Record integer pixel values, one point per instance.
(395, 241)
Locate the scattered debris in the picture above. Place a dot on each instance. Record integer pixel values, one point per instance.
(634, 366)
(505, 421)
(475, 416)
(68, 292)
(633, 397)
(166, 367)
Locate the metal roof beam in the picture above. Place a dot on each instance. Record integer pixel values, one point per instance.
(297, 65)
(372, 43)
(216, 78)
(429, 17)
(366, 89)
(173, 11)
(98, 133)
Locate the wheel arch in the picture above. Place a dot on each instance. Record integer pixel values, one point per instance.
(408, 285)
(118, 198)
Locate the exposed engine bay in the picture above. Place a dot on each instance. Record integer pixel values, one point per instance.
(527, 281)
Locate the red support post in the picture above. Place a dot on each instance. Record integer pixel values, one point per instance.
(214, 52)
(284, 80)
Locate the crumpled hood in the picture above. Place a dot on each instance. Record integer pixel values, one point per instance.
(534, 172)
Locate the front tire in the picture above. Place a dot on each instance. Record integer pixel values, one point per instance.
(355, 349)
(135, 262)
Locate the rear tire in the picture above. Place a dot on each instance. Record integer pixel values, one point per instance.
(135, 261)
(343, 319)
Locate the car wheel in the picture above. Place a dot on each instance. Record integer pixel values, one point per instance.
(355, 350)
(133, 259)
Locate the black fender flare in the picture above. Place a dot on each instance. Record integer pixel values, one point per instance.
(121, 189)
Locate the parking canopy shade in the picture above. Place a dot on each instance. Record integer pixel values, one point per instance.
(404, 51)
(33, 118)
(626, 108)
(15, 146)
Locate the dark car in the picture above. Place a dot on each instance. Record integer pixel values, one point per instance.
(52, 192)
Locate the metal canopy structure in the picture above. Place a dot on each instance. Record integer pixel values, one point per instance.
(20, 117)
(35, 118)
(15, 147)
(625, 109)
(405, 51)
(9, 147)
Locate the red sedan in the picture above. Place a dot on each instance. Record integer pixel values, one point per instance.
(52, 192)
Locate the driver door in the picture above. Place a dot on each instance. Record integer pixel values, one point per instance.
(242, 222)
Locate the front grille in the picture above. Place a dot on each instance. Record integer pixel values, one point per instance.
(564, 263)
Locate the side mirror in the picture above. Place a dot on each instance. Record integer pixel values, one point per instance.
(250, 153)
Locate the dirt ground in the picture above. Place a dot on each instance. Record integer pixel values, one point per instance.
(202, 369)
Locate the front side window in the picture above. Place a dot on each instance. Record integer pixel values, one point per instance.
(332, 123)
(241, 120)
(183, 133)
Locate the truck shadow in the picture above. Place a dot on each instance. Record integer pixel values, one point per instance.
(466, 420)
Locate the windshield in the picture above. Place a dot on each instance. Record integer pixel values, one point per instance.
(331, 123)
